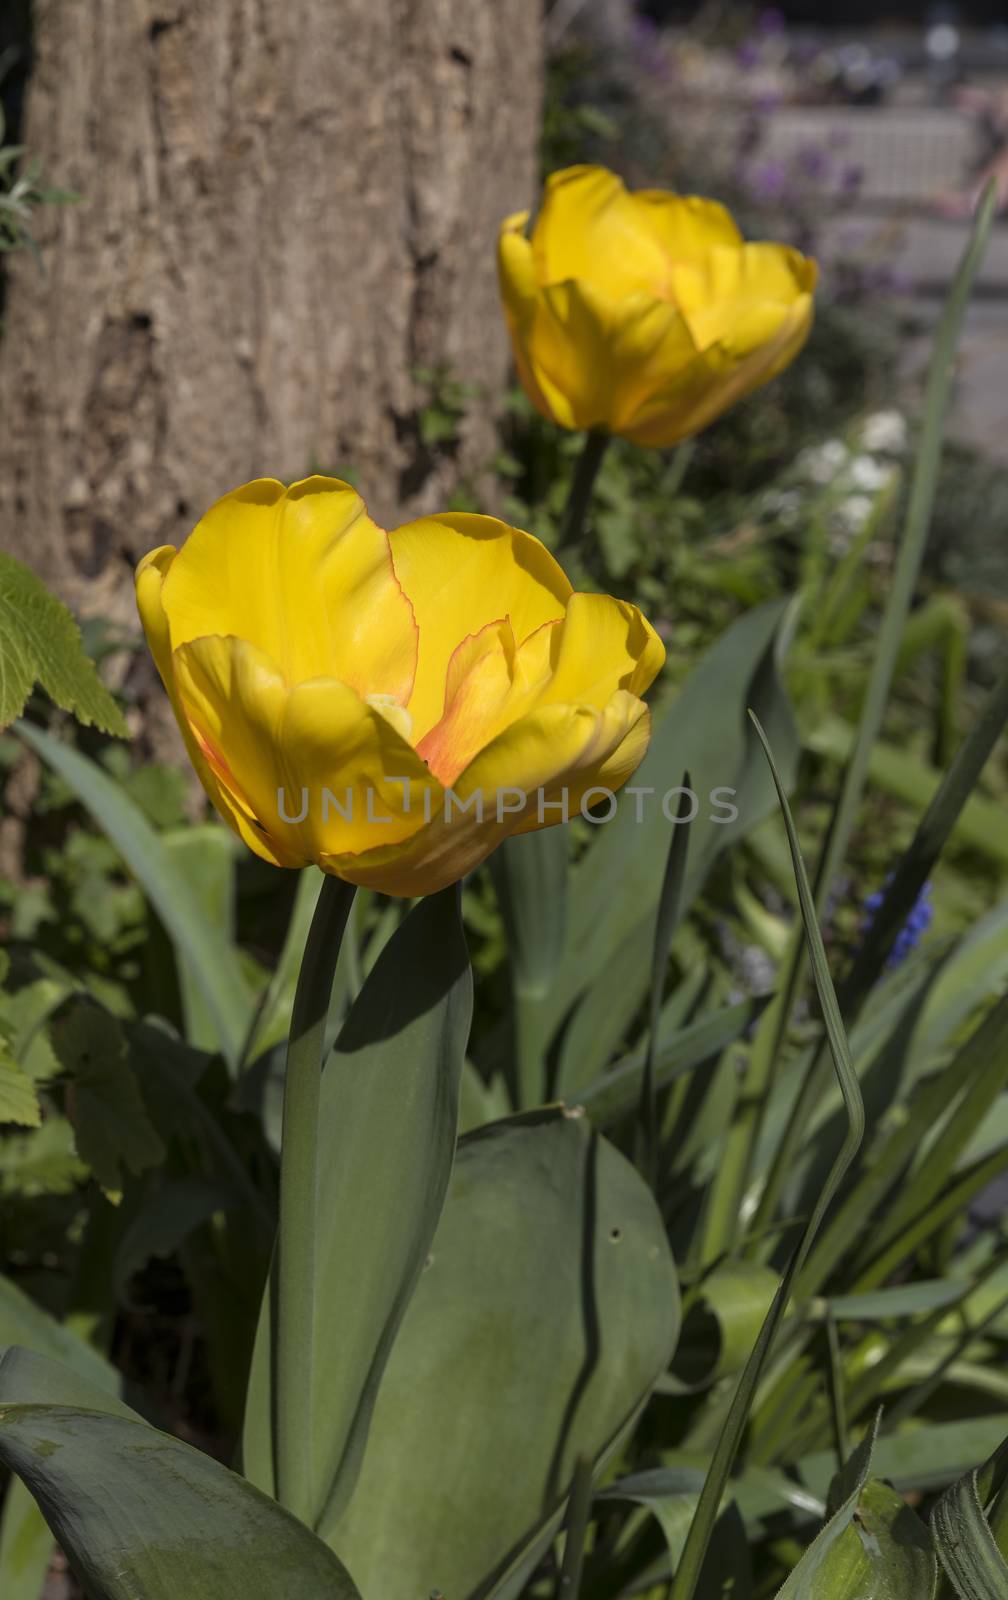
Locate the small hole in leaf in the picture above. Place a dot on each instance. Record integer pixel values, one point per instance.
(615, 1235)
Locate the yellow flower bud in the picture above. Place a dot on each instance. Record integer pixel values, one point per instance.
(645, 314)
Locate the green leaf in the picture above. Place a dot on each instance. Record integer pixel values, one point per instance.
(614, 889)
(616, 1093)
(204, 858)
(214, 964)
(387, 1127)
(530, 876)
(141, 1514)
(18, 1100)
(902, 1300)
(845, 1491)
(548, 1308)
(40, 643)
(965, 1543)
(884, 1551)
(671, 1497)
(724, 1319)
(726, 1449)
(104, 1102)
(76, 1374)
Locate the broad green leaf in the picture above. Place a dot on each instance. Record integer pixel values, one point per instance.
(40, 643)
(111, 1124)
(547, 1310)
(27, 1374)
(142, 1514)
(214, 964)
(387, 1127)
(615, 889)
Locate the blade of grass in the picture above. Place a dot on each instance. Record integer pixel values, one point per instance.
(669, 912)
(578, 1510)
(976, 1075)
(684, 1585)
(773, 1028)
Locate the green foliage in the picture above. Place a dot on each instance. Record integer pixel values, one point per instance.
(40, 643)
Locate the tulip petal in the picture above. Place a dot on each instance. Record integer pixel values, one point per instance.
(461, 572)
(150, 578)
(519, 293)
(314, 769)
(598, 360)
(589, 227)
(303, 574)
(602, 645)
(554, 747)
(560, 747)
(685, 225)
(718, 292)
(756, 350)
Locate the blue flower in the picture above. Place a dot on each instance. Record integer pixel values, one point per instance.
(912, 931)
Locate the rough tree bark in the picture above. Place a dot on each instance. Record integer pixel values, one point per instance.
(289, 206)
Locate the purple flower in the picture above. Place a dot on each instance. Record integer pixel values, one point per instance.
(771, 20)
(913, 929)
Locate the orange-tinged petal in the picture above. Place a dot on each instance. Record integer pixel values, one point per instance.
(306, 576)
(314, 769)
(150, 576)
(461, 571)
(554, 747)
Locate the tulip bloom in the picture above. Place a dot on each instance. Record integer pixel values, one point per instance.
(389, 705)
(645, 314)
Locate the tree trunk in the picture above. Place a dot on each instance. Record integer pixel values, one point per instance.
(288, 210)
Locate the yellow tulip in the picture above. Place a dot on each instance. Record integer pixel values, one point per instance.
(389, 705)
(645, 314)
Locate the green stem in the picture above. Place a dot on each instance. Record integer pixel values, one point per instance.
(294, 1357)
(578, 500)
(532, 1032)
(578, 1513)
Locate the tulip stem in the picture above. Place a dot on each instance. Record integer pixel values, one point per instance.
(579, 499)
(294, 1347)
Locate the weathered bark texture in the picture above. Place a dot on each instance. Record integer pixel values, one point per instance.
(289, 207)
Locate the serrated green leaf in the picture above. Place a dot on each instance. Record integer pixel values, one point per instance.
(18, 1100)
(104, 1103)
(40, 643)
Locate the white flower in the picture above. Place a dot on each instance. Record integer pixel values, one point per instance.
(821, 462)
(885, 432)
(868, 475)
